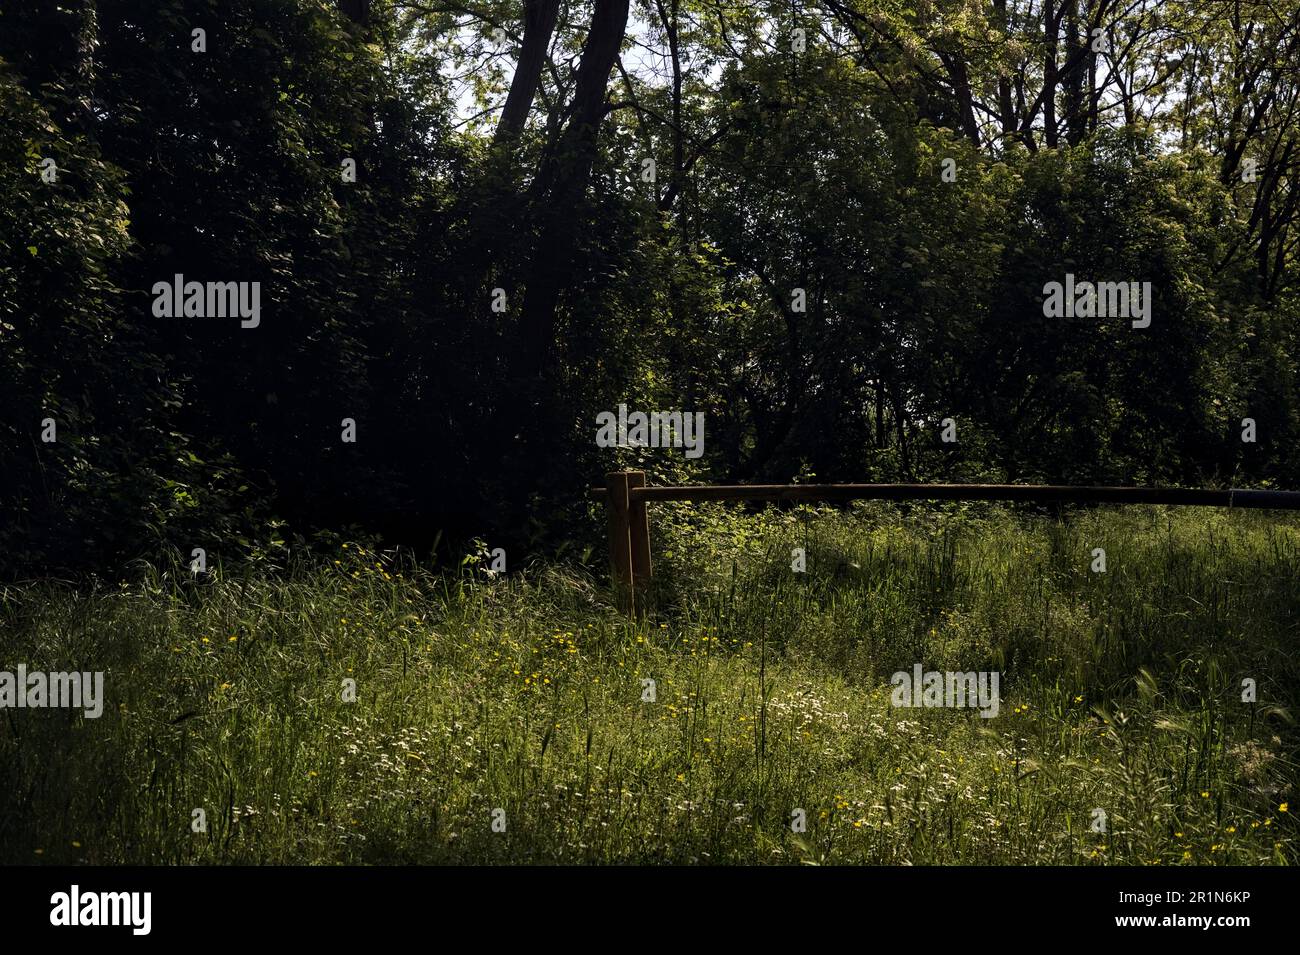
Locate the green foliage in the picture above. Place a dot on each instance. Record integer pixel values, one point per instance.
(72, 356)
(909, 170)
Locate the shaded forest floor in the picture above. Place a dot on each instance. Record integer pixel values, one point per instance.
(527, 693)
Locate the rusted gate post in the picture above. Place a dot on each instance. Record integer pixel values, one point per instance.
(629, 539)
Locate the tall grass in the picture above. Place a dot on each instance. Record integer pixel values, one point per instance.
(1120, 692)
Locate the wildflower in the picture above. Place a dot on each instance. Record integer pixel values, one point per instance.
(1283, 807)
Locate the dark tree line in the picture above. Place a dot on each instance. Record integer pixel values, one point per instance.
(828, 226)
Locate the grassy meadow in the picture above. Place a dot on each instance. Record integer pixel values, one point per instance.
(523, 692)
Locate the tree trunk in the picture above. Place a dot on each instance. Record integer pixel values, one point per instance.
(539, 25)
(358, 11)
(1073, 76)
(1050, 36)
(1006, 111)
(563, 181)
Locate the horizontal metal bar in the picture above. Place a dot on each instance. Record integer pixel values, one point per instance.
(1039, 493)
